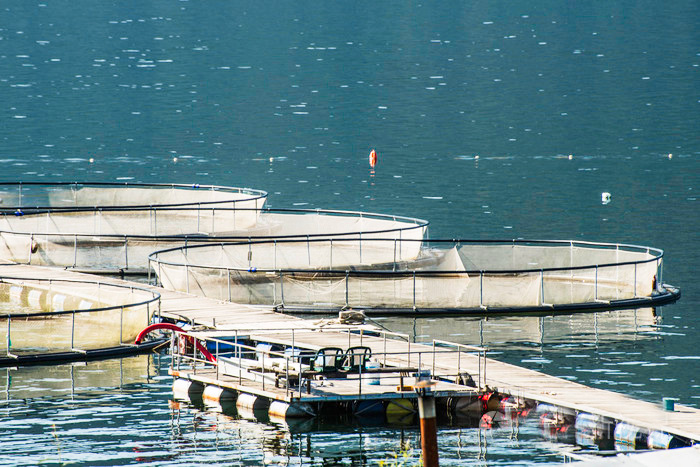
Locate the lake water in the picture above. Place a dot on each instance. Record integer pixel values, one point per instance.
(560, 102)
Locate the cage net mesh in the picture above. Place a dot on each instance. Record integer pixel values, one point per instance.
(84, 329)
(371, 274)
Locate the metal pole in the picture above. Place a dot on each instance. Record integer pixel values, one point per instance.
(347, 273)
(414, 290)
(481, 289)
(72, 331)
(384, 349)
(9, 341)
(282, 288)
(595, 292)
(428, 427)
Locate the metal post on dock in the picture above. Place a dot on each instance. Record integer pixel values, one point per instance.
(428, 425)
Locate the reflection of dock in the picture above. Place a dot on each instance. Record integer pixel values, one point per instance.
(443, 361)
(614, 325)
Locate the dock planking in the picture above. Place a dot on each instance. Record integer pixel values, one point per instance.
(263, 323)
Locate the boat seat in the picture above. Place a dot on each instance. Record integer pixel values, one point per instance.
(356, 358)
(328, 359)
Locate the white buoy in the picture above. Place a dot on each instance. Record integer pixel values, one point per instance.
(670, 156)
(186, 390)
(605, 197)
(571, 156)
(175, 159)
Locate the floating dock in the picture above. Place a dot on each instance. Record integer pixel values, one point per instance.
(399, 360)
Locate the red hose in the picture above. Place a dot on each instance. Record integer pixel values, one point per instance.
(173, 327)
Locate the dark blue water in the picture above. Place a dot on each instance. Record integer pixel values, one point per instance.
(290, 98)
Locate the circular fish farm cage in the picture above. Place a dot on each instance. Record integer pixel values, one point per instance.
(112, 228)
(397, 276)
(57, 317)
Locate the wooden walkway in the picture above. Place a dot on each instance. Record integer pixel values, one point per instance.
(262, 323)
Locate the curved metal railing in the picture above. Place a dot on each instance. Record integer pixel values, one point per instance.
(20, 198)
(477, 275)
(119, 238)
(81, 326)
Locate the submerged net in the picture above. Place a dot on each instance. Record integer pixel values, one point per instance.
(63, 315)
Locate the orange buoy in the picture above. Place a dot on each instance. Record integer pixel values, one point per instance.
(372, 158)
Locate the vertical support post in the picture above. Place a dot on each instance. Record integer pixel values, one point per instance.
(75, 250)
(595, 291)
(9, 341)
(228, 282)
(360, 245)
(408, 340)
(31, 244)
(635, 280)
(126, 252)
(121, 323)
(282, 288)
(541, 287)
(331, 260)
(428, 427)
(414, 290)
(240, 358)
(262, 364)
(459, 362)
(187, 278)
(347, 274)
(394, 267)
(481, 289)
(384, 349)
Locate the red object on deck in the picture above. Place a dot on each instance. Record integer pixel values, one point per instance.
(173, 327)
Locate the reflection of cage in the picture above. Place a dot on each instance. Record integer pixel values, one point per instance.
(50, 314)
(412, 275)
(114, 227)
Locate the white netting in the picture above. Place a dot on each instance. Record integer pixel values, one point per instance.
(47, 329)
(123, 239)
(327, 274)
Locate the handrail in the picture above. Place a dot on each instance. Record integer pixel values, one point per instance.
(6, 279)
(267, 373)
(655, 252)
(255, 194)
